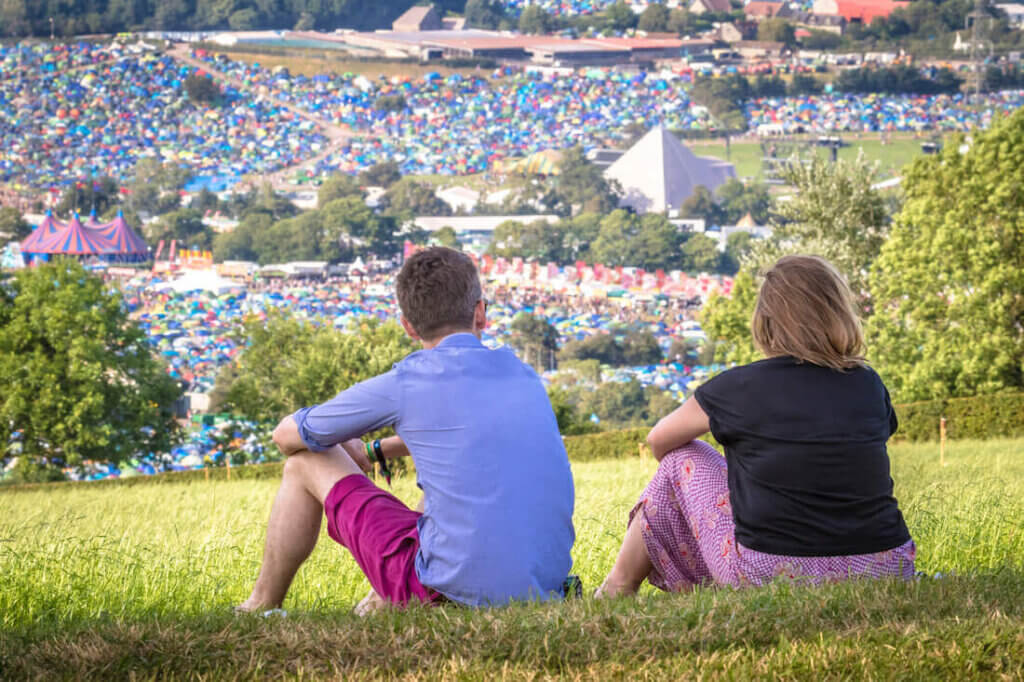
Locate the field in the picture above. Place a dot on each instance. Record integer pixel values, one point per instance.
(139, 581)
(746, 155)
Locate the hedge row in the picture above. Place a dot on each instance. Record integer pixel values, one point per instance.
(979, 417)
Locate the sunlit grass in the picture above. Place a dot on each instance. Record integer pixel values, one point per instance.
(151, 561)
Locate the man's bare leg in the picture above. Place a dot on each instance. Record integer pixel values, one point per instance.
(294, 525)
(632, 566)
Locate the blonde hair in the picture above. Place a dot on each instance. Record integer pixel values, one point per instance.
(805, 309)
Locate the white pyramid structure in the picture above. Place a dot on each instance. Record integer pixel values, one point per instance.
(659, 173)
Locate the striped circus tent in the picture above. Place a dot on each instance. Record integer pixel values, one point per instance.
(113, 242)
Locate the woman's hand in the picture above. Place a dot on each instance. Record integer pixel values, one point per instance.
(678, 428)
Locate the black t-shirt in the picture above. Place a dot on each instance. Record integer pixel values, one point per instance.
(808, 468)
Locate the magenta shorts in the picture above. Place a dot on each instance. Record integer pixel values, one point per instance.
(381, 533)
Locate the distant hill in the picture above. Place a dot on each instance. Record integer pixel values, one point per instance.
(33, 17)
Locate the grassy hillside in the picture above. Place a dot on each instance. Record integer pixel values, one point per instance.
(100, 581)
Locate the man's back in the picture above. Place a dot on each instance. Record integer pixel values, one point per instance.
(498, 490)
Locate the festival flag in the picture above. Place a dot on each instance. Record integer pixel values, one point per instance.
(170, 255)
(579, 269)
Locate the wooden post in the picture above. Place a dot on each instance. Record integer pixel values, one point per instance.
(641, 450)
(206, 473)
(227, 463)
(942, 441)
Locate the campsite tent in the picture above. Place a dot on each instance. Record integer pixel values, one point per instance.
(658, 173)
(113, 242)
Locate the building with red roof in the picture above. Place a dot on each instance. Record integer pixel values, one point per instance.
(863, 11)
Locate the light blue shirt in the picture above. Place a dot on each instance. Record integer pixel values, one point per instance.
(498, 491)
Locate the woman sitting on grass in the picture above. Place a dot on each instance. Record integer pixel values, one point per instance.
(804, 489)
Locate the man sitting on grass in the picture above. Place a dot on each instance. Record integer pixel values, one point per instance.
(498, 493)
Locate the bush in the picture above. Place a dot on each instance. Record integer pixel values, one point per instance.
(983, 416)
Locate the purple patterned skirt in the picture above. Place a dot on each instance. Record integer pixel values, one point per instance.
(690, 537)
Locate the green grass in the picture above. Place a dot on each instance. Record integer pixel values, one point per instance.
(138, 581)
(891, 157)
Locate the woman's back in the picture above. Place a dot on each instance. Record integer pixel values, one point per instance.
(808, 467)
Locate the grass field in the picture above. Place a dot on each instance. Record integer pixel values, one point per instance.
(891, 157)
(139, 582)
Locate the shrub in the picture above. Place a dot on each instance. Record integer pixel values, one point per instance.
(983, 416)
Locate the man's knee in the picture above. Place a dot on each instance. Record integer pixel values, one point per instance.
(319, 471)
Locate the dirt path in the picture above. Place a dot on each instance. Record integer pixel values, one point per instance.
(279, 179)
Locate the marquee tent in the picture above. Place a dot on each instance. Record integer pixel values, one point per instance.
(659, 173)
(113, 242)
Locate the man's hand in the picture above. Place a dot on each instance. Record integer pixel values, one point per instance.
(357, 451)
(286, 437)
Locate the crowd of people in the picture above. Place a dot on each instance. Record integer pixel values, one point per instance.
(89, 112)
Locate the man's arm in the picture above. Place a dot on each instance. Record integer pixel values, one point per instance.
(286, 437)
(356, 411)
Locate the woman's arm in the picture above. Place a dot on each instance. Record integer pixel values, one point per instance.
(678, 428)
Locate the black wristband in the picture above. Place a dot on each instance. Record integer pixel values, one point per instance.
(377, 450)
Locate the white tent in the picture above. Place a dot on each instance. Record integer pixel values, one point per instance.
(201, 280)
(659, 173)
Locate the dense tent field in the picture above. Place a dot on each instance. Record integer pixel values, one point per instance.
(117, 581)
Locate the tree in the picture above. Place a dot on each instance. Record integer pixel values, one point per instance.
(154, 190)
(382, 174)
(834, 213)
(246, 19)
(627, 404)
(737, 199)
(570, 422)
(536, 339)
(641, 348)
(776, 30)
(654, 19)
(738, 246)
(13, 225)
(184, 226)
(202, 89)
(601, 347)
(78, 377)
(948, 286)
(701, 205)
(306, 22)
(620, 16)
(410, 197)
(581, 185)
(700, 253)
(726, 322)
(338, 186)
(680, 22)
(390, 103)
(291, 363)
(88, 194)
(535, 20)
(446, 237)
(821, 40)
(485, 14)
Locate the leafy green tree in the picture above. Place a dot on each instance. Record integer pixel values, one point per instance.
(535, 20)
(701, 205)
(390, 103)
(446, 237)
(627, 404)
(291, 363)
(536, 339)
(338, 186)
(738, 246)
(88, 194)
(382, 174)
(570, 422)
(185, 226)
(78, 378)
(834, 213)
(680, 22)
(601, 347)
(485, 14)
(246, 19)
(736, 199)
(948, 286)
(202, 89)
(641, 348)
(410, 197)
(726, 322)
(620, 16)
(13, 225)
(654, 19)
(581, 185)
(155, 187)
(700, 253)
